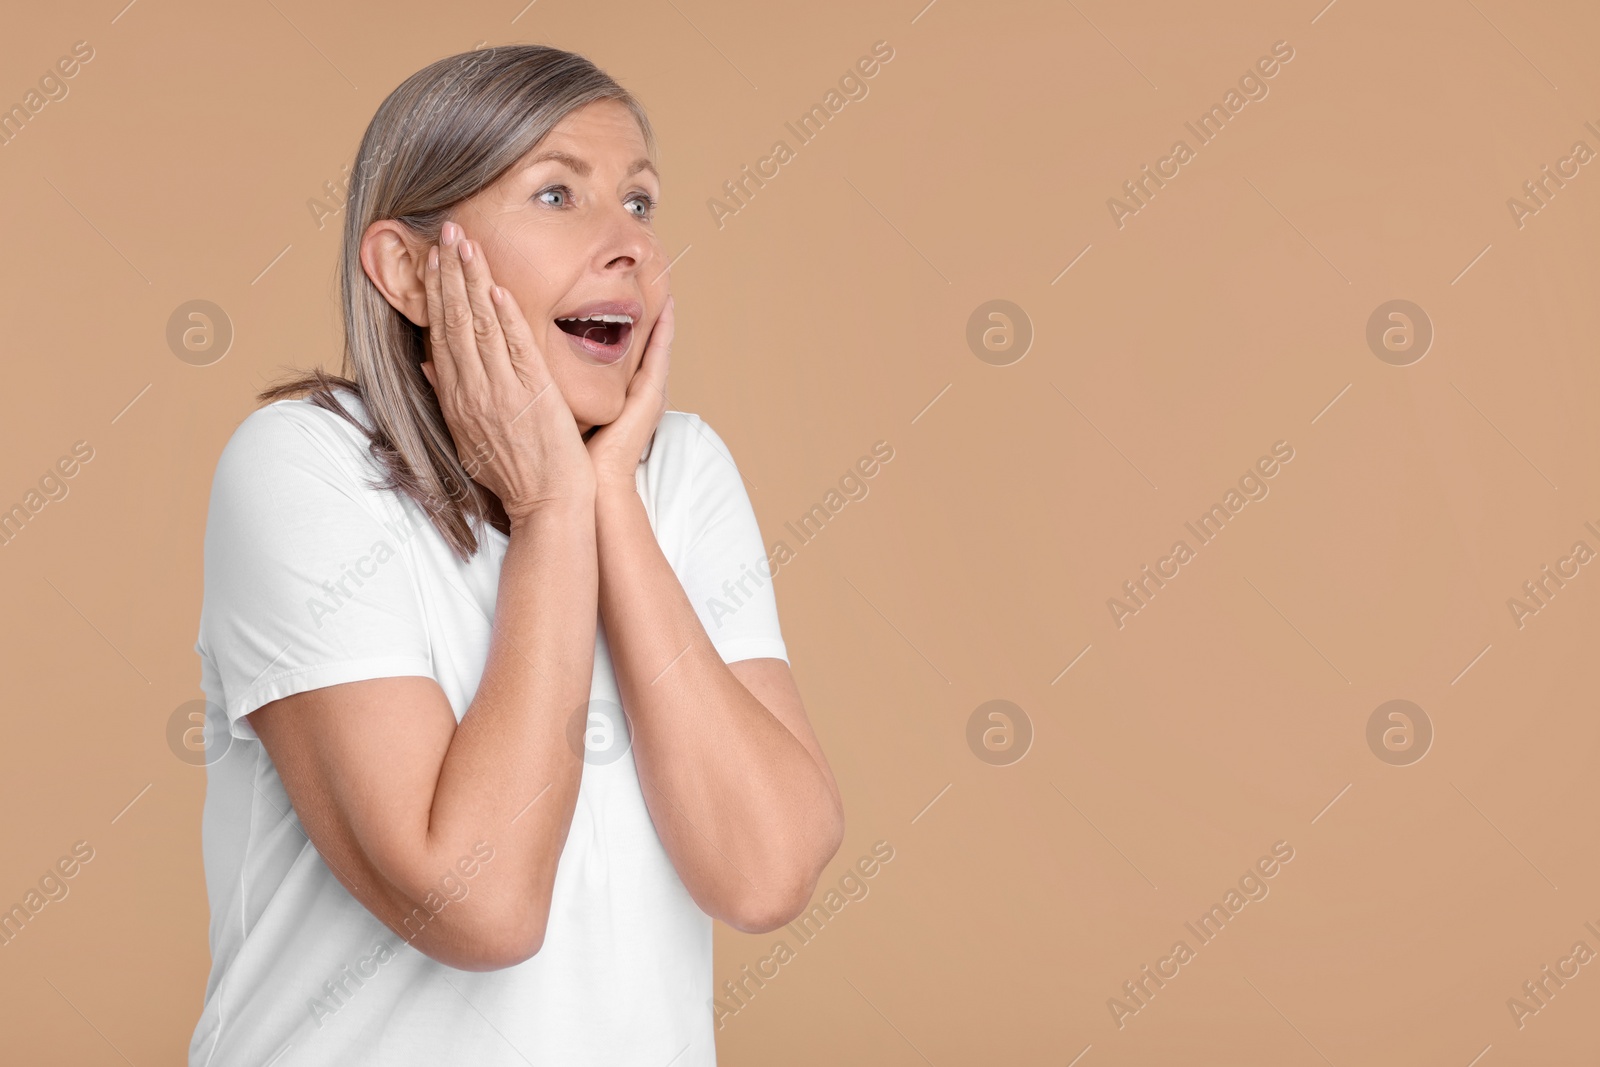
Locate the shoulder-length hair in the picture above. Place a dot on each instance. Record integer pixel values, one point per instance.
(447, 132)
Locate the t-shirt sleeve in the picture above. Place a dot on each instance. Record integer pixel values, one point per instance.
(724, 567)
(305, 585)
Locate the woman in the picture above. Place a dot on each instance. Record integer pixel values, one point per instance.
(432, 587)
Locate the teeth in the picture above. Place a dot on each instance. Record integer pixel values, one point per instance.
(596, 318)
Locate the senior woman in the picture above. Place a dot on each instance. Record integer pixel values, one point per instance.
(493, 761)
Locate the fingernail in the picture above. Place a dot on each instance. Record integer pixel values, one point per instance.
(433, 258)
(466, 251)
(447, 234)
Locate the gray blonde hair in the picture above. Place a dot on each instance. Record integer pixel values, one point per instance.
(447, 132)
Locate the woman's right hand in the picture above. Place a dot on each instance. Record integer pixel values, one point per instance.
(512, 428)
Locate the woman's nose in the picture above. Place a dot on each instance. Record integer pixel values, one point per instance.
(625, 244)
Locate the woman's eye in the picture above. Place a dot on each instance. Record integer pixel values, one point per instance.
(556, 190)
(647, 205)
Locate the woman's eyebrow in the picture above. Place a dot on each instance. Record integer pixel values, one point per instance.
(582, 168)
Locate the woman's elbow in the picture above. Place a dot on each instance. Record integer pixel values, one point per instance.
(492, 940)
(760, 912)
(497, 950)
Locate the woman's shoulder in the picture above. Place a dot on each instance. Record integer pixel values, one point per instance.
(295, 436)
(689, 465)
(691, 434)
(291, 425)
(683, 442)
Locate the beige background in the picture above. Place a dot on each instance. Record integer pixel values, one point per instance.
(1227, 715)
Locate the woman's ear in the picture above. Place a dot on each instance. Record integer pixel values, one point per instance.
(393, 259)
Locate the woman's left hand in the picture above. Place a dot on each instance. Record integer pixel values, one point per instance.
(616, 448)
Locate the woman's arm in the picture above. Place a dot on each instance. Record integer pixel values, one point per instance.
(736, 784)
(392, 791)
(734, 778)
(394, 794)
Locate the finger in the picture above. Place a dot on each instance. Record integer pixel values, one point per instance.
(527, 361)
(653, 366)
(458, 329)
(490, 340)
(647, 392)
(444, 367)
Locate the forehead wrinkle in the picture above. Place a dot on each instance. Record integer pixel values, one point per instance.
(582, 167)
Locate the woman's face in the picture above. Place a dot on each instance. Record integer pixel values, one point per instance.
(569, 232)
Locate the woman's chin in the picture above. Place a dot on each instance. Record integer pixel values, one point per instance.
(596, 411)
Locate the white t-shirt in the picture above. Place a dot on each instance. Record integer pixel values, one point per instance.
(314, 578)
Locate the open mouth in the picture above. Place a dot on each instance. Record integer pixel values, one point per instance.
(602, 337)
